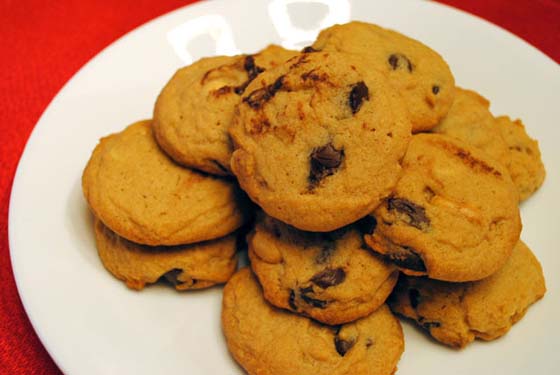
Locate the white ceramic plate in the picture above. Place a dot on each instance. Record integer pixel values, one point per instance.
(91, 324)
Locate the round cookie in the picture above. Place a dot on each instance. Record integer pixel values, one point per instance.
(416, 71)
(457, 313)
(329, 277)
(143, 196)
(453, 215)
(267, 340)
(524, 157)
(195, 108)
(318, 140)
(470, 121)
(195, 266)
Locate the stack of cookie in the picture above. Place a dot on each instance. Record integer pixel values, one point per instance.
(155, 219)
(376, 180)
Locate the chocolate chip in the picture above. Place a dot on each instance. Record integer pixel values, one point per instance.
(406, 257)
(306, 290)
(257, 98)
(398, 61)
(310, 300)
(414, 297)
(367, 224)
(329, 277)
(251, 68)
(277, 85)
(435, 89)
(427, 325)
(252, 72)
(171, 276)
(309, 49)
(369, 342)
(343, 346)
(324, 161)
(260, 96)
(416, 214)
(292, 300)
(358, 94)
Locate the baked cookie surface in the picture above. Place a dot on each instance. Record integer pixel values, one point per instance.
(524, 157)
(185, 267)
(506, 141)
(416, 71)
(457, 313)
(267, 340)
(143, 196)
(318, 140)
(453, 215)
(471, 121)
(195, 108)
(330, 277)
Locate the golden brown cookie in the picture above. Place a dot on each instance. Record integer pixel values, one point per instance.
(143, 196)
(453, 215)
(470, 121)
(195, 266)
(318, 140)
(194, 109)
(329, 277)
(457, 313)
(266, 340)
(416, 71)
(524, 157)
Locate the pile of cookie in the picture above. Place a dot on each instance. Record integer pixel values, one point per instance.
(362, 183)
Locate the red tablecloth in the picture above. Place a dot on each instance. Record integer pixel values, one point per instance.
(43, 43)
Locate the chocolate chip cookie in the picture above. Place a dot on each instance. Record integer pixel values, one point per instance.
(194, 109)
(267, 340)
(318, 140)
(143, 196)
(330, 276)
(416, 71)
(471, 121)
(185, 267)
(457, 313)
(524, 157)
(453, 215)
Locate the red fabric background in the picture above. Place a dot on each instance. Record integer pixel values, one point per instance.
(43, 43)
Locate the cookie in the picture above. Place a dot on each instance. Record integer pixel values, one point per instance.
(470, 121)
(329, 277)
(267, 340)
(318, 140)
(194, 109)
(186, 267)
(453, 215)
(524, 157)
(143, 196)
(457, 313)
(416, 71)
